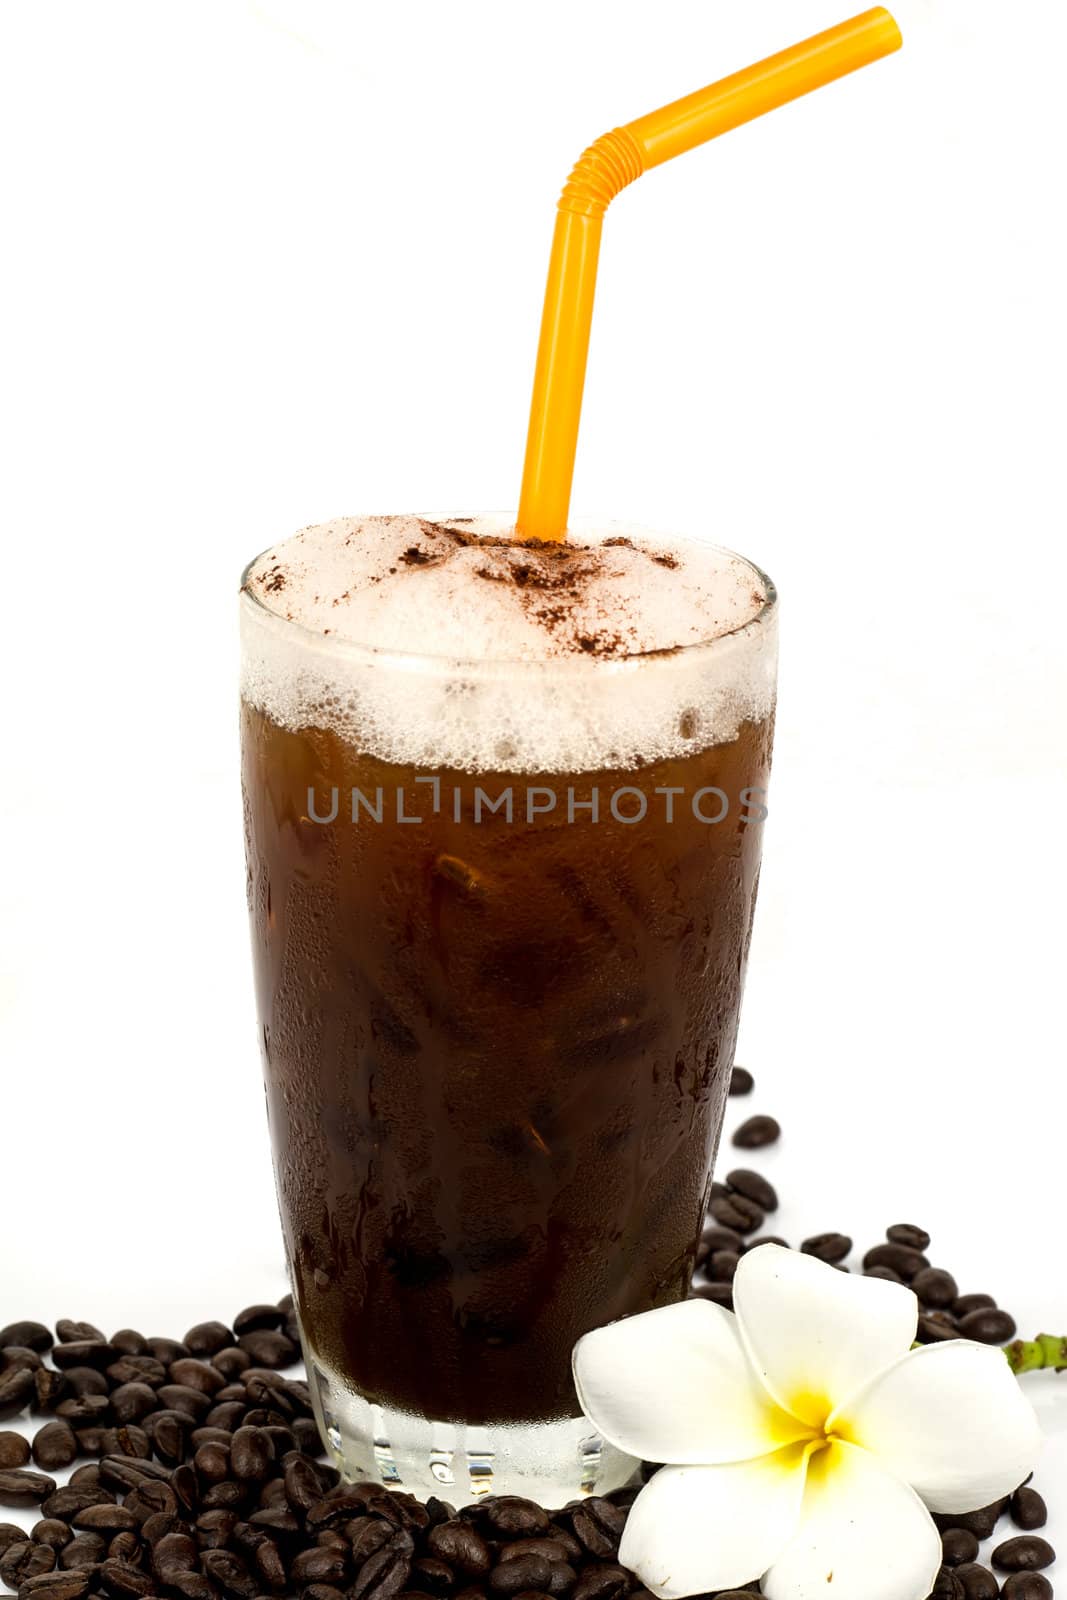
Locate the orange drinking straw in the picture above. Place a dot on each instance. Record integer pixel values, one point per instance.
(609, 165)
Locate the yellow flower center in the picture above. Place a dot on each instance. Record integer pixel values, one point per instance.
(814, 1412)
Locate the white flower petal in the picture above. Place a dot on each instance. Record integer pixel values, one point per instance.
(863, 1535)
(675, 1385)
(814, 1334)
(692, 1529)
(950, 1419)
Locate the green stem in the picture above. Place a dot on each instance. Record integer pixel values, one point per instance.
(1048, 1350)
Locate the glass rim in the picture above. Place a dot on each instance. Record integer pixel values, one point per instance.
(354, 651)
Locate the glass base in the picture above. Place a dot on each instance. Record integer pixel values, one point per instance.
(550, 1462)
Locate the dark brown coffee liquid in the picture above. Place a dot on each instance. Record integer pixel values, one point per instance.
(496, 1056)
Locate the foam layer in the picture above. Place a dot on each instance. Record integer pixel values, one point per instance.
(445, 643)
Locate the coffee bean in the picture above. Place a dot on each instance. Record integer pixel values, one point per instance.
(126, 1546)
(192, 1586)
(215, 1529)
(1027, 1586)
(54, 1446)
(87, 1475)
(720, 1294)
(10, 1533)
(68, 1501)
(935, 1326)
(718, 1238)
(104, 1519)
(598, 1526)
(90, 1439)
(765, 1238)
(230, 1573)
(179, 1397)
(186, 1490)
(26, 1560)
(904, 1261)
(252, 1454)
(49, 1389)
(138, 1369)
(84, 1409)
(85, 1353)
(886, 1273)
(268, 1348)
(197, 1374)
(973, 1302)
(829, 1247)
(70, 1332)
(14, 1449)
(1028, 1509)
(381, 1576)
(573, 1551)
(525, 1572)
(601, 1581)
(130, 1342)
(124, 1581)
(87, 1380)
(229, 1415)
(56, 1586)
(212, 1463)
(319, 1564)
(736, 1212)
(204, 1340)
(51, 1531)
(366, 1535)
(231, 1362)
(322, 1591)
(1025, 1553)
(741, 1081)
(127, 1441)
(431, 1577)
(17, 1357)
(268, 1562)
(957, 1546)
(721, 1265)
(167, 1431)
(754, 1186)
(166, 1350)
(907, 1234)
(132, 1401)
(21, 1487)
(27, 1335)
(133, 1474)
(947, 1586)
(980, 1522)
(84, 1550)
(978, 1582)
(551, 1548)
(302, 1486)
(755, 1133)
(513, 1517)
(157, 1526)
(307, 1437)
(935, 1287)
(252, 1318)
(988, 1326)
(175, 1551)
(16, 1387)
(228, 1496)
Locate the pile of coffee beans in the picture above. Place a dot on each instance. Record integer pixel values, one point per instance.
(206, 1483)
(202, 1474)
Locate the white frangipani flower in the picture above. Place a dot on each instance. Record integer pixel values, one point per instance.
(806, 1441)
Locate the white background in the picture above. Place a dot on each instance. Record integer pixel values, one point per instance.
(268, 261)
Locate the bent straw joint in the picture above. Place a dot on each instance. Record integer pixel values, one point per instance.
(606, 167)
(609, 164)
